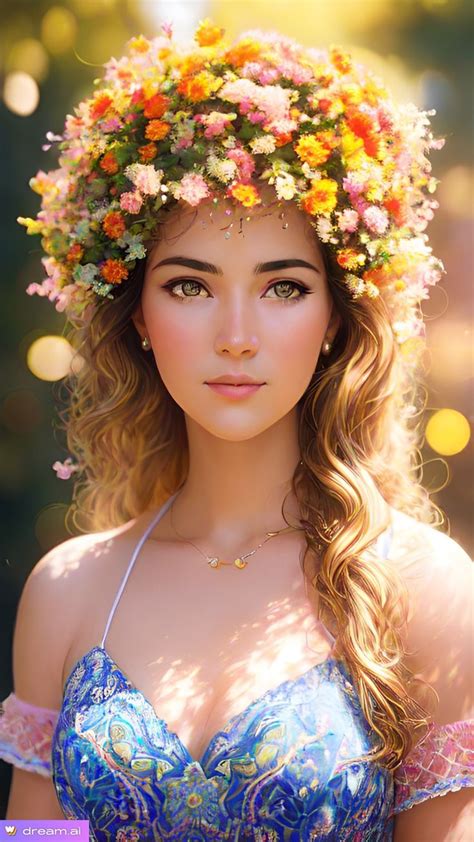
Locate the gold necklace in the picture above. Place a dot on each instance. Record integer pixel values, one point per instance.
(239, 562)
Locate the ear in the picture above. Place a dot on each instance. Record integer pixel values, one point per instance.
(333, 324)
(138, 320)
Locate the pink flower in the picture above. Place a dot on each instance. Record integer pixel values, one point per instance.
(192, 188)
(131, 202)
(376, 219)
(348, 220)
(167, 29)
(65, 469)
(145, 178)
(244, 161)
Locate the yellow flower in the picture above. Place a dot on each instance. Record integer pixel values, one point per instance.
(199, 87)
(350, 259)
(246, 194)
(33, 226)
(140, 44)
(312, 151)
(321, 197)
(374, 191)
(207, 34)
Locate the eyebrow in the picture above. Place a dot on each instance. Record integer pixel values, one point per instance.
(203, 266)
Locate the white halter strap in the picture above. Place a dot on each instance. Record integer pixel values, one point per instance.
(133, 559)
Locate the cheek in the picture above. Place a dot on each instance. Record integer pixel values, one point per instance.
(299, 344)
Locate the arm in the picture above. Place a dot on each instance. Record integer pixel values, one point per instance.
(440, 636)
(40, 643)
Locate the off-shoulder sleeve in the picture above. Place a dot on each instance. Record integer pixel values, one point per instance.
(442, 762)
(26, 734)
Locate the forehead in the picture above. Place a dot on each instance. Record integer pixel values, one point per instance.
(276, 230)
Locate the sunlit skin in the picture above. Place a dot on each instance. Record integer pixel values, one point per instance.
(242, 452)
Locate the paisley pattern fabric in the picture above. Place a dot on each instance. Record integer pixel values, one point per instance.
(275, 772)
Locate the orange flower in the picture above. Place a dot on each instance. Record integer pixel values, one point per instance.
(157, 130)
(109, 163)
(376, 276)
(148, 152)
(114, 271)
(340, 60)
(246, 194)
(207, 34)
(362, 126)
(101, 104)
(321, 197)
(200, 87)
(283, 139)
(156, 106)
(75, 253)
(350, 259)
(190, 64)
(246, 50)
(114, 225)
(395, 207)
(312, 151)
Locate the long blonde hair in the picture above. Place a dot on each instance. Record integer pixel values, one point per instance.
(358, 440)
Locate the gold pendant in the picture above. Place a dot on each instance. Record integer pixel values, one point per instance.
(240, 563)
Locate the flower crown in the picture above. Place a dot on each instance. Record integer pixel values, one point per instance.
(219, 119)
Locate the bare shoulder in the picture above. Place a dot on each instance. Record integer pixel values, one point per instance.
(439, 576)
(50, 605)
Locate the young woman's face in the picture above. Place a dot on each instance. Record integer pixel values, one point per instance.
(247, 305)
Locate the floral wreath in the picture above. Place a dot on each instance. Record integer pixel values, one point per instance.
(216, 120)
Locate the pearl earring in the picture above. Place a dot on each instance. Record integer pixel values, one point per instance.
(326, 347)
(145, 343)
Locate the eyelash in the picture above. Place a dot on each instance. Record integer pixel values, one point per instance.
(303, 290)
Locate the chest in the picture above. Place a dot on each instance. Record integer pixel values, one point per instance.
(201, 645)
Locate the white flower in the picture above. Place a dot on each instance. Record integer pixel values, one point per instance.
(324, 229)
(285, 186)
(263, 145)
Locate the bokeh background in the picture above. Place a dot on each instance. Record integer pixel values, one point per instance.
(50, 53)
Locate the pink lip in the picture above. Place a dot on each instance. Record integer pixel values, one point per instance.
(235, 392)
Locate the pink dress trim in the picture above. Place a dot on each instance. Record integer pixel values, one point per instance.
(442, 762)
(26, 733)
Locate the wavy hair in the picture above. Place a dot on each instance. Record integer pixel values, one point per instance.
(358, 436)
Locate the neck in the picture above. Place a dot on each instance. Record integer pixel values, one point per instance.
(234, 490)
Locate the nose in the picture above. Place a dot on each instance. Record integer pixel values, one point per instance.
(236, 335)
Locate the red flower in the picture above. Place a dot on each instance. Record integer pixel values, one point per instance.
(109, 163)
(75, 253)
(100, 105)
(148, 152)
(114, 271)
(114, 225)
(156, 106)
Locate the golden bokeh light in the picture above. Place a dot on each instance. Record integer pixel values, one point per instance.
(30, 56)
(448, 432)
(50, 357)
(20, 93)
(58, 30)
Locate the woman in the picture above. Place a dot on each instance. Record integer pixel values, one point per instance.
(257, 553)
